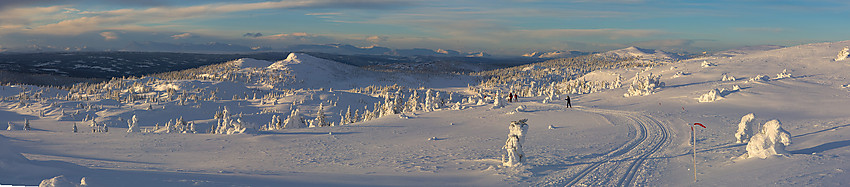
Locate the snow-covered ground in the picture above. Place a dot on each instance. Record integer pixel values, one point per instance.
(453, 139)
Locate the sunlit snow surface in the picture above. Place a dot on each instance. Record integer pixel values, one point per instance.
(606, 139)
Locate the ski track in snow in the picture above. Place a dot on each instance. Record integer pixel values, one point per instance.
(621, 165)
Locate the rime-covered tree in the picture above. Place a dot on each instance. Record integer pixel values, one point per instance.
(133, 124)
(514, 155)
(320, 120)
(294, 120)
(27, 125)
(745, 129)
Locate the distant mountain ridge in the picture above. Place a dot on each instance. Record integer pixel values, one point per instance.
(643, 54)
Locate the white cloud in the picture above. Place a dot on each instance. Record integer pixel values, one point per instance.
(324, 14)
(109, 35)
(182, 36)
(64, 20)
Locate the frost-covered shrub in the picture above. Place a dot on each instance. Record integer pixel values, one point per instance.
(513, 146)
(784, 74)
(770, 141)
(760, 78)
(745, 129)
(727, 78)
(644, 85)
(706, 64)
(843, 54)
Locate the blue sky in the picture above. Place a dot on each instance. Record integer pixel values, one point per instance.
(496, 26)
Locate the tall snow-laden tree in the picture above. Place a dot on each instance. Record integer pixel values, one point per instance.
(349, 117)
(27, 125)
(320, 120)
(497, 101)
(412, 104)
(132, 124)
(514, 156)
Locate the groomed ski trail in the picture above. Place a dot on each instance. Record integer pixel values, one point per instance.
(621, 166)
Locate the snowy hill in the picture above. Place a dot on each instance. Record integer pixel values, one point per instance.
(643, 54)
(629, 124)
(747, 50)
(555, 54)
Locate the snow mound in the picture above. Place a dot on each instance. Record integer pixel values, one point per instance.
(58, 181)
(770, 141)
(711, 96)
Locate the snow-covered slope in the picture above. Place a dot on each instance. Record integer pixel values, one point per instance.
(554, 54)
(747, 50)
(605, 139)
(643, 54)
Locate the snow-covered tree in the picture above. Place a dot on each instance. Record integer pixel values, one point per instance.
(10, 127)
(320, 120)
(27, 125)
(711, 96)
(843, 54)
(226, 125)
(644, 85)
(728, 78)
(132, 124)
(745, 129)
(294, 120)
(760, 78)
(783, 75)
(497, 101)
(412, 104)
(275, 124)
(513, 146)
(349, 117)
(770, 141)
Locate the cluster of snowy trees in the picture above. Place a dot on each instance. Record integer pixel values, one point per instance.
(26, 126)
(555, 77)
(644, 85)
(226, 124)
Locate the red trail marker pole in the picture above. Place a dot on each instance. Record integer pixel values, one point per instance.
(694, 135)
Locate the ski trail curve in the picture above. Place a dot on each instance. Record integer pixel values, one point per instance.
(621, 166)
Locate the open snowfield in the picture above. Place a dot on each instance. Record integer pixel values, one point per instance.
(605, 139)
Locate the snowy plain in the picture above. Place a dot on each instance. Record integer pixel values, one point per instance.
(606, 139)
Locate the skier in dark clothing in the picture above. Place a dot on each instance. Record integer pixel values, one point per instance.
(510, 97)
(568, 102)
